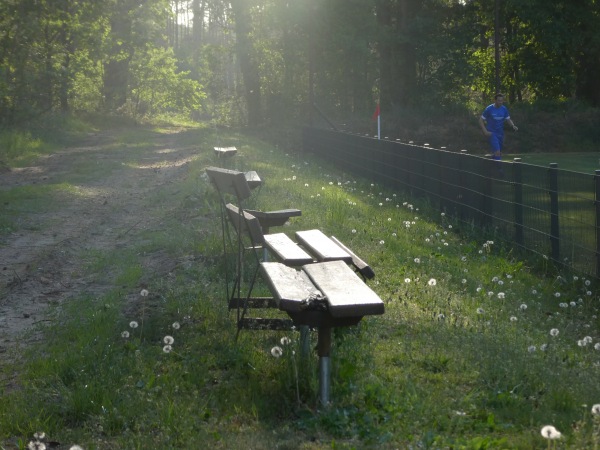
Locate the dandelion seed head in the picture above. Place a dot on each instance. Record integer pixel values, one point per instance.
(554, 332)
(523, 307)
(597, 346)
(501, 295)
(531, 348)
(285, 340)
(36, 445)
(513, 319)
(587, 282)
(276, 351)
(167, 348)
(407, 280)
(596, 409)
(133, 324)
(381, 242)
(417, 260)
(39, 435)
(176, 325)
(534, 292)
(125, 334)
(432, 282)
(144, 292)
(588, 339)
(168, 340)
(544, 347)
(480, 311)
(549, 432)
(557, 294)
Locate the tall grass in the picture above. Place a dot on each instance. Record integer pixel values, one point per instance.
(476, 348)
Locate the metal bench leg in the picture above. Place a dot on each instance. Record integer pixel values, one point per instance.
(323, 350)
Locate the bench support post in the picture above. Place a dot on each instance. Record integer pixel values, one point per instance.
(323, 350)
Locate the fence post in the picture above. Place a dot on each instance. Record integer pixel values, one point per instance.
(486, 191)
(597, 204)
(554, 229)
(461, 198)
(518, 205)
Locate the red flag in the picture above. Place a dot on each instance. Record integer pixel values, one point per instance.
(376, 113)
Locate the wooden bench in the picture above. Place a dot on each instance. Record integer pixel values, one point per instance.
(223, 152)
(323, 295)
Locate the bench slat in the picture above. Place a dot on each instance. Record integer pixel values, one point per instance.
(324, 249)
(277, 218)
(286, 250)
(347, 295)
(363, 268)
(288, 285)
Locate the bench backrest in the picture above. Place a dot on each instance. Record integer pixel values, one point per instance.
(245, 223)
(229, 182)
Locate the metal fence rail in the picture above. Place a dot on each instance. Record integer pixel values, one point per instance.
(552, 212)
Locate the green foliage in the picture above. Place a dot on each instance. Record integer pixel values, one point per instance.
(157, 86)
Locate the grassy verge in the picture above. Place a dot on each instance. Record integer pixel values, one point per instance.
(475, 350)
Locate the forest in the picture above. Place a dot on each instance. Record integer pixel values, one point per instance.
(254, 62)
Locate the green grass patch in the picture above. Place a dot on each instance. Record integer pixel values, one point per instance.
(466, 355)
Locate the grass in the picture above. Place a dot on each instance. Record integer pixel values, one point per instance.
(578, 162)
(463, 357)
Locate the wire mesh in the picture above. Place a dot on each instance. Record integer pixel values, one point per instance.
(545, 210)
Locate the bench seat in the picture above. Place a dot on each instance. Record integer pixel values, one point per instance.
(345, 294)
(225, 151)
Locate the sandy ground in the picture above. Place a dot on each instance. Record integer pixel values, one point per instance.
(41, 264)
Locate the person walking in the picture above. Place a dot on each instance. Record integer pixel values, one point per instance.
(492, 125)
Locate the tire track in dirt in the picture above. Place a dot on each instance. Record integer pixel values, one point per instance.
(41, 264)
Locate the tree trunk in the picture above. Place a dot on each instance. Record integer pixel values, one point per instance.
(247, 60)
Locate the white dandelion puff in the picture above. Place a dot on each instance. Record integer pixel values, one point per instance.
(276, 351)
(596, 409)
(549, 432)
(531, 348)
(167, 348)
(144, 292)
(554, 332)
(432, 282)
(168, 340)
(176, 325)
(523, 307)
(285, 340)
(133, 324)
(125, 334)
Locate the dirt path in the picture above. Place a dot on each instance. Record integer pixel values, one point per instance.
(41, 264)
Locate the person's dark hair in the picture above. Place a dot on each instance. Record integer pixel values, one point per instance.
(498, 95)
